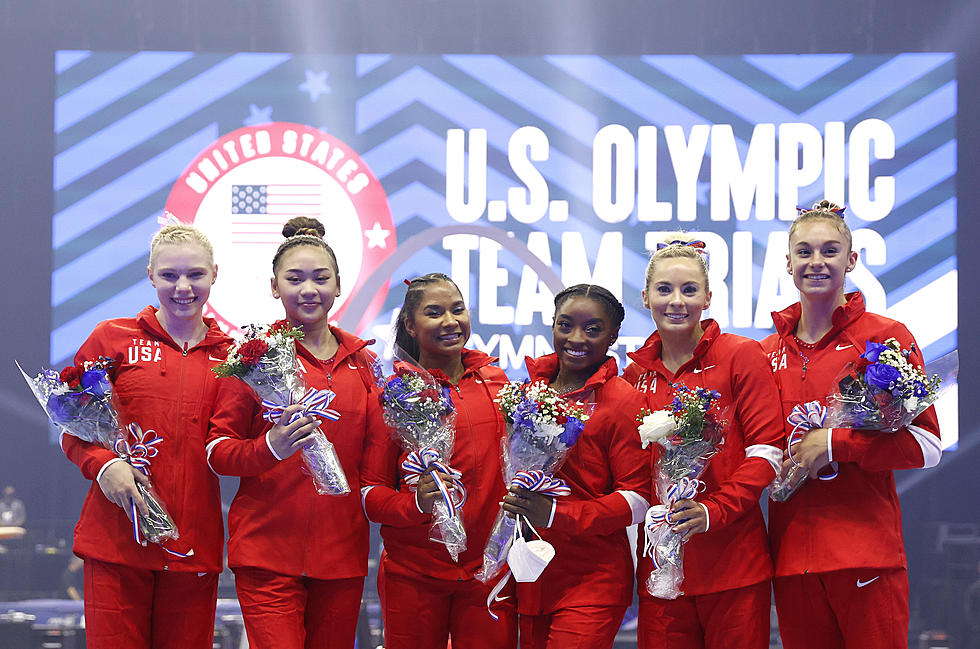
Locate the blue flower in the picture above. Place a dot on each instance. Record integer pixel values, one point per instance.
(573, 429)
(523, 414)
(62, 407)
(881, 375)
(96, 382)
(919, 390)
(871, 351)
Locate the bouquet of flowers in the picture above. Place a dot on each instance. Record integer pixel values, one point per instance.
(265, 359)
(422, 416)
(689, 432)
(882, 391)
(78, 400)
(541, 427)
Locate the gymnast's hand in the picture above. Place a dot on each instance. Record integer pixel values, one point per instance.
(427, 491)
(118, 483)
(286, 439)
(535, 507)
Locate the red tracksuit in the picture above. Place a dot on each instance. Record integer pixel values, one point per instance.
(139, 596)
(840, 559)
(726, 568)
(299, 558)
(426, 596)
(581, 597)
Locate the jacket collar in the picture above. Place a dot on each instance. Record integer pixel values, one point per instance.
(473, 361)
(649, 357)
(853, 308)
(148, 322)
(545, 368)
(348, 345)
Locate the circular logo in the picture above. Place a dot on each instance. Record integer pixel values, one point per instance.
(246, 185)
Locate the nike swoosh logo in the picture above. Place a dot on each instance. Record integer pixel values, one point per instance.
(698, 370)
(498, 598)
(216, 360)
(862, 584)
(201, 574)
(842, 347)
(351, 365)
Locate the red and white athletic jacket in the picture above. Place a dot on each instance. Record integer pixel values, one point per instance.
(476, 453)
(164, 389)
(609, 476)
(277, 521)
(734, 551)
(854, 520)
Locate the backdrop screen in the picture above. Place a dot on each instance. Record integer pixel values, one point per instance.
(517, 176)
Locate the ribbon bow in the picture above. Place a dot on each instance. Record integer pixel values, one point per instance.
(659, 515)
(314, 403)
(696, 243)
(803, 210)
(541, 482)
(804, 417)
(141, 451)
(418, 462)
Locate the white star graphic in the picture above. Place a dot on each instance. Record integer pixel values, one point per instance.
(377, 236)
(315, 84)
(258, 115)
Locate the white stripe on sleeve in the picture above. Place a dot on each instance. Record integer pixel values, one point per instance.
(771, 454)
(209, 448)
(932, 448)
(638, 505)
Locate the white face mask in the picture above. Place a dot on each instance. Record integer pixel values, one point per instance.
(528, 559)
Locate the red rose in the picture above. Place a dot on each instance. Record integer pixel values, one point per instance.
(70, 375)
(252, 351)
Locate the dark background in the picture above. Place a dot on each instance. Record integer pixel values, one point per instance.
(936, 504)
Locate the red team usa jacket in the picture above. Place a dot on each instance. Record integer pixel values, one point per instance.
(609, 476)
(277, 521)
(171, 392)
(734, 551)
(476, 453)
(853, 521)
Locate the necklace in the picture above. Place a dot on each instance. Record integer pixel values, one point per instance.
(566, 389)
(806, 360)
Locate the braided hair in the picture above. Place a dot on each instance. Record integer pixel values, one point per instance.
(614, 308)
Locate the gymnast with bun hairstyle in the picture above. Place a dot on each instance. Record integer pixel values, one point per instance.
(299, 558)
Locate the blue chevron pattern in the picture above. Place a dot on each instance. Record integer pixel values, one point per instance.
(127, 124)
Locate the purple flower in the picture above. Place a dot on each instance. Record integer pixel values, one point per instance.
(62, 407)
(573, 429)
(96, 382)
(919, 390)
(881, 375)
(523, 415)
(871, 351)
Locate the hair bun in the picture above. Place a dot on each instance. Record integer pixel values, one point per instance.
(303, 225)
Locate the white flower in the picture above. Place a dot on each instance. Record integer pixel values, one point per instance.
(548, 430)
(911, 404)
(655, 426)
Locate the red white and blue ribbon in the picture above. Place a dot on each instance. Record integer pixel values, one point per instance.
(804, 417)
(139, 454)
(659, 515)
(542, 483)
(314, 403)
(420, 461)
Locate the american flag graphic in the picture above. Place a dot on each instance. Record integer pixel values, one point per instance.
(282, 201)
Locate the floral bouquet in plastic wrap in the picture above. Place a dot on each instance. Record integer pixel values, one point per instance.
(690, 430)
(422, 417)
(541, 427)
(881, 391)
(78, 400)
(265, 359)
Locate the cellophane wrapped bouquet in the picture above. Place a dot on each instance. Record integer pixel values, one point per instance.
(881, 391)
(422, 417)
(689, 431)
(265, 359)
(79, 402)
(541, 427)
